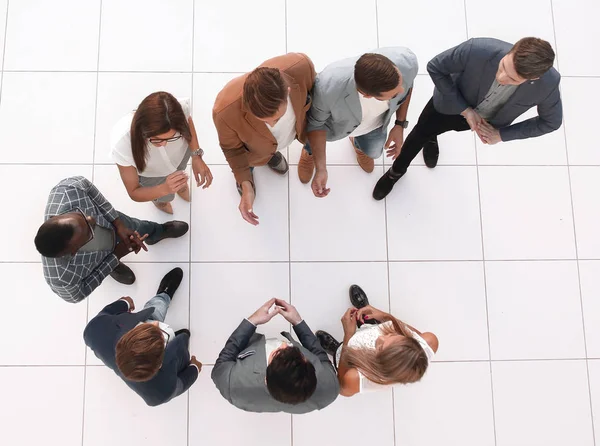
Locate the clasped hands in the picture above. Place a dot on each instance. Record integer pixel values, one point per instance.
(354, 315)
(486, 132)
(273, 307)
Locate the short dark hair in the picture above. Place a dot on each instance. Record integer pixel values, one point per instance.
(264, 92)
(53, 237)
(291, 378)
(375, 74)
(140, 352)
(532, 57)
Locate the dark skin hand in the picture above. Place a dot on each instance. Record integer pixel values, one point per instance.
(129, 237)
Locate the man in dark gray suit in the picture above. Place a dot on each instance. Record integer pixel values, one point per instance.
(275, 375)
(483, 85)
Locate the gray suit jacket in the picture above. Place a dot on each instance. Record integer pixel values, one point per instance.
(463, 75)
(335, 104)
(240, 371)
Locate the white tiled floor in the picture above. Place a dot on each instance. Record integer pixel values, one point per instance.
(496, 250)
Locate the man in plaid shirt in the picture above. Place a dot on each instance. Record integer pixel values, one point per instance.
(83, 239)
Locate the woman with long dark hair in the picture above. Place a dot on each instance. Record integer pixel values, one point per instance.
(378, 350)
(152, 147)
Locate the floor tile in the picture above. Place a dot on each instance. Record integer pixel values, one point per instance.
(455, 147)
(578, 95)
(320, 291)
(548, 149)
(301, 17)
(527, 301)
(110, 403)
(138, 35)
(121, 93)
(206, 88)
(542, 403)
(60, 345)
(64, 135)
(220, 232)
(585, 181)
(346, 225)
(455, 398)
(404, 24)
(212, 418)
(30, 203)
(523, 209)
(331, 426)
(589, 272)
(434, 215)
(108, 182)
(41, 404)
(240, 286)
(534, 19)
(40, 35)
(237, 49)
(594, 370)
(447, 299)
(576, 23)
(148, 277)
(3, 14)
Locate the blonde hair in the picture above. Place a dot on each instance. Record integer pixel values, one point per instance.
(403, 361)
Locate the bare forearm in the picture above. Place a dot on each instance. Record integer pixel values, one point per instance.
(318, 142)
(402, 111)
(148, 193)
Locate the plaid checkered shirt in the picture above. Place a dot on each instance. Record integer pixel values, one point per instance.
(74, 277)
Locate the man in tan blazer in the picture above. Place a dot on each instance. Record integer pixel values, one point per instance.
(258, 114)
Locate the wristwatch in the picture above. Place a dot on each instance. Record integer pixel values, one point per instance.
(198, 152)
(403, 124)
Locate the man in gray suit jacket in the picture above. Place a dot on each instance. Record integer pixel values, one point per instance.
(357, 98)
(275, 375)
(483, 85)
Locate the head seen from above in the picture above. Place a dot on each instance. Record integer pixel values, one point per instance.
(158, 120)
(397, 358)
(140, 352)
(64, 234)
(377, 77)
(528, 59)
(265, 94)
(291, 378)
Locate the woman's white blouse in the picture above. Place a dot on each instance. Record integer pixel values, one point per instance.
(161, 161)
(365, 337)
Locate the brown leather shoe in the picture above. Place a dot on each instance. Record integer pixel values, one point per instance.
(366, 163)
(306, 167)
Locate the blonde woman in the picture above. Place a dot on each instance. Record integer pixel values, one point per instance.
(152, 147)
(378, 350)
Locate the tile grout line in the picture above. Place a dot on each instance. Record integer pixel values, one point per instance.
(4, 48)
(190, 218)
(587, 362)
(93, 174)
(377, 28)
(103, 163)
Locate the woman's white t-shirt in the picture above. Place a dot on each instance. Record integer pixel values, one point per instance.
(365, 337)
(161, 161)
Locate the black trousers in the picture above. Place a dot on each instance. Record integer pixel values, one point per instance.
(431, 123)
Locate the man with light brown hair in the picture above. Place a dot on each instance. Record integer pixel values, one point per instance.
(141, 349)
(259, 114)
(483, 85)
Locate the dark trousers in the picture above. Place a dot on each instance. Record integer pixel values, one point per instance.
(431, 123)
(154, 230)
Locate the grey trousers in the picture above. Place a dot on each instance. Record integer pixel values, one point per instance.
(157, 181)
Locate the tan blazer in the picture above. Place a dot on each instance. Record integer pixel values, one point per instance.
(246, 141)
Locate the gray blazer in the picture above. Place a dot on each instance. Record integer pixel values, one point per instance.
(240, 371)
(463, 75)
(335, 103)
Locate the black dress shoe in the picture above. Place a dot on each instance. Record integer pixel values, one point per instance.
(358, 298)
(170, 282)
(385, 185)
(328, 342)
(431, 153)
(171, 229)
(123, 274)
(183, 331)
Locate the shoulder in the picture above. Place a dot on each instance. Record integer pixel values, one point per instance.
(120, 138)
(229, 99)
(550, 79)
(297, 65)
(488, 47)
(185, 105)
(431, 340)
